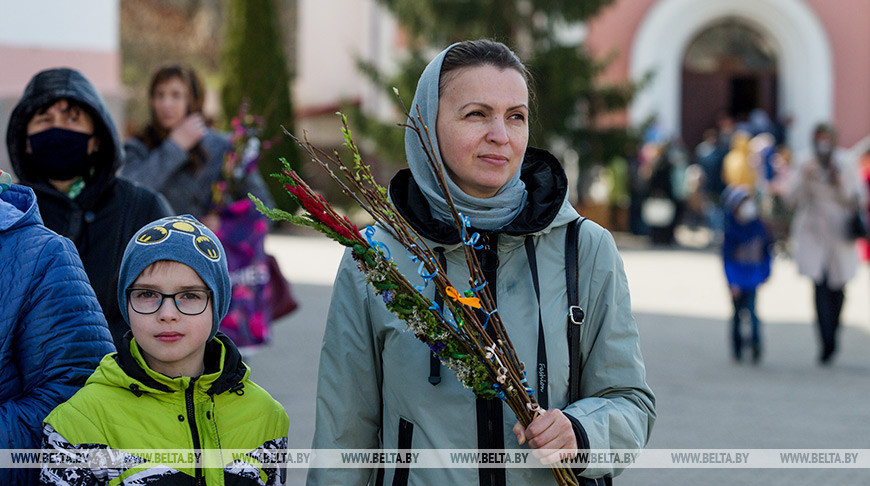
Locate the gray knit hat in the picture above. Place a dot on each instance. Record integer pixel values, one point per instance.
(180, 239)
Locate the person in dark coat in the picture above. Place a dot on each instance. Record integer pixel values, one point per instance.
(54, 333)
(62, 143)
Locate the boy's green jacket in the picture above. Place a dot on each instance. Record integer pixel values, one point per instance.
(131, 412)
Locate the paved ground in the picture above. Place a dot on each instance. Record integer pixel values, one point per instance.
(705, 400)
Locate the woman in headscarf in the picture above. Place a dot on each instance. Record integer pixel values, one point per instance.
(380, 388)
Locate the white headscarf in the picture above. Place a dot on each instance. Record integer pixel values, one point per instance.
(485, 213)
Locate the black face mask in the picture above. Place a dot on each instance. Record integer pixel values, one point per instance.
(60, 154)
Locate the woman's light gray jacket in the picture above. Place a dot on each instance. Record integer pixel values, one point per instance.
(373, 379)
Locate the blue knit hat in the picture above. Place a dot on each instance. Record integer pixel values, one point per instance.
(732, 196)
(180, 239)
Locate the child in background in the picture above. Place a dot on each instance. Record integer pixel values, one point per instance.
(177, 383)
(746, 256)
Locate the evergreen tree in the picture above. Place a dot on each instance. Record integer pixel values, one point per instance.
(568, 99)
(255, 71)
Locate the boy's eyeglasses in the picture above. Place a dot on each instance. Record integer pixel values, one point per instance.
(188, 302)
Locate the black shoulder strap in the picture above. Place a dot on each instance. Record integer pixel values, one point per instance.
(541, 370)
(434, 361)
(575, 312)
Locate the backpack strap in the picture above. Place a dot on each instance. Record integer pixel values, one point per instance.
(434, 361)
(541, 369)
(575, 312)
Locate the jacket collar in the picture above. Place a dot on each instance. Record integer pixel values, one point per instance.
(96, 189)
(224, 369)
(545, 182)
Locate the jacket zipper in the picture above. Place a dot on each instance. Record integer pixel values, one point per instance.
(490, 434)
(191, 421)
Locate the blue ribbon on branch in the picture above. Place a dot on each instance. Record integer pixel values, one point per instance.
(446, 319)
(377, 245)
(500, 393)
(472, 242)
(488, 315)
(525, 382)
(427, 277)
(421, 269)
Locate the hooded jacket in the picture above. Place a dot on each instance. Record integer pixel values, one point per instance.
(127, 408)
(52, 333)
(374, 389)
(745, 252)
(102, 219)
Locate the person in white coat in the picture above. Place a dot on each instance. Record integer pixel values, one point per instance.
(826, 193)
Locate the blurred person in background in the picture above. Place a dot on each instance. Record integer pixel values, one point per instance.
(738, 167)
(177, 154)
(707, 145)
(63, 144)
(827, 192)
(757, 122)
(698, 176)
(679, 159)
(694, 215)
(746, 257)
(660, 205)
(781, 212)
(864, 168)
(713, 183)
(202, 173)
(54, 333)
(617, 179)
(763, 151)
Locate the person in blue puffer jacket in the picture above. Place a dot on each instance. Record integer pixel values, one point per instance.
(53, 331)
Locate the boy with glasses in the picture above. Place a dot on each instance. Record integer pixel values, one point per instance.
(176, 383)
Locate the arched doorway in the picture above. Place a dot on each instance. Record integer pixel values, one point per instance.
(804, 59)
(730, 68)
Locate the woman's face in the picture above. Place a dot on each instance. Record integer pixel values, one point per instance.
(482, 127)
(170, 102)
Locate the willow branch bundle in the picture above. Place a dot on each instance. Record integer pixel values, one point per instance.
(488, 365)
